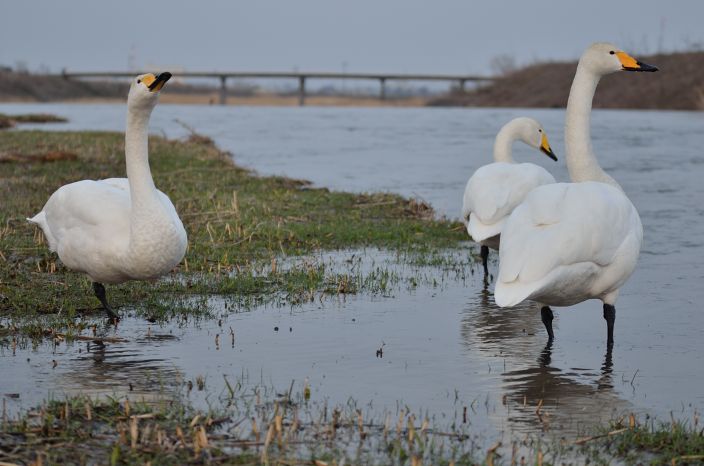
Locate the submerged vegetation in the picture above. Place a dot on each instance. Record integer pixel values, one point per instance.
(241, 229)
(253, 426)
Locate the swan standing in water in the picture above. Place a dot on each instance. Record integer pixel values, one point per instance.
(494, 190)
(118, 229)
(569, 242)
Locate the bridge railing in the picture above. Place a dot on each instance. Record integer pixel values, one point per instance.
(302, 77)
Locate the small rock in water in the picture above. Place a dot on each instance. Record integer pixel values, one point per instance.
(276, 329)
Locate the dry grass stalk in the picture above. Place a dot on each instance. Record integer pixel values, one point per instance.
(411, 429)
(491, 453)
(200, 439)
(584, 440)
(134, 432)
(255, 430)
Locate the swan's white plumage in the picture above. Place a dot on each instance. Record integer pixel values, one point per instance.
(117, 229)
(568, 242)
(494, 190)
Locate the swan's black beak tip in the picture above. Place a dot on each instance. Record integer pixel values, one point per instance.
(641, 67)
(160, 80)
(549, 153)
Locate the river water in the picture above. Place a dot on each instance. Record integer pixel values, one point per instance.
(445, 347)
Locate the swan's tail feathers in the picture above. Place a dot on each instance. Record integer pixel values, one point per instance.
(511, 294)
(40, 220)
(480, 231)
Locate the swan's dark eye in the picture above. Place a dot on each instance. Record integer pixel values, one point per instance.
(540, 130)
(139, 81)
(612, 52)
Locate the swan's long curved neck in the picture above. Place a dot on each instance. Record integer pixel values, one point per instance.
(146, 211)
(581, 161)
(504, 142)
(142, 187)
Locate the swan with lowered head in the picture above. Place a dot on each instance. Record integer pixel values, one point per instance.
(569, 242)
(494, 190)
(118, 229)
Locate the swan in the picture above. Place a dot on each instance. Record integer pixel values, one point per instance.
(118, 229)
(494, 190)
(570, 242)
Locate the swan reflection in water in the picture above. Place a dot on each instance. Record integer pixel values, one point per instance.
(120, 369)
(570, 399)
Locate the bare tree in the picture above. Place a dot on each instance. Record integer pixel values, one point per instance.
(503, 64)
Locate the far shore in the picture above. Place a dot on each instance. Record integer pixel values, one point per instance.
(263, 99)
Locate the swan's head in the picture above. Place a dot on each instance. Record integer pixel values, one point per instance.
(144, 90)
(604, 58)
(532, 133)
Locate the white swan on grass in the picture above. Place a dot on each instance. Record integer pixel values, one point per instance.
(118, 229)
(494, 190)
(569, 242)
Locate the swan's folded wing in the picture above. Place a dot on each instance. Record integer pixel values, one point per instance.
(89, 205)
(496, 189)
(565, 224)
(118, 183)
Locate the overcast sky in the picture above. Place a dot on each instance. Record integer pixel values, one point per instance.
(439, 36)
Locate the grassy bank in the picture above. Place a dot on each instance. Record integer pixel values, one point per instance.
(290, 429)
(9, 121)
(239, 226)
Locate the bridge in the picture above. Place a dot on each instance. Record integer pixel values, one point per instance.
(302, 77)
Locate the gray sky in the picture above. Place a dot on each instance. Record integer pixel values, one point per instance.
(440, 36)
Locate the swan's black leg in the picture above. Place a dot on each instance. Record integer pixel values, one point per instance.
(546, 315)
(99, 290)
(485, 258)
(610, 316)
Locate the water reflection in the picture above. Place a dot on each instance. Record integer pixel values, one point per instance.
(118, 369)
(514, 331)
(536, 393)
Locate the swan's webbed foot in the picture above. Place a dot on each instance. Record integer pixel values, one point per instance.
(546, 316)
(610, 316)
(99, 290)
(485, 259)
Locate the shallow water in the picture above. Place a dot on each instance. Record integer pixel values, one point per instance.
(445, 347)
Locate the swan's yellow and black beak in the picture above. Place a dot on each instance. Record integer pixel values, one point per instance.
(546, 149)
(155, 83)
(631, 64)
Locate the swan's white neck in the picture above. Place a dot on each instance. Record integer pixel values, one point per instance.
(146, 208)
(137, 156)
(581, 161)
(503, 143)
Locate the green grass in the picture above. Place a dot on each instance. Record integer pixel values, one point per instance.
(237, 224)
(256, 426)
(251, 430)
(651, 442)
